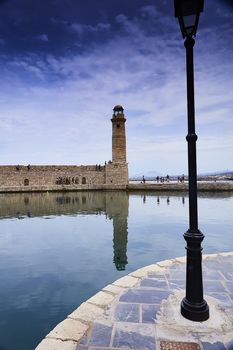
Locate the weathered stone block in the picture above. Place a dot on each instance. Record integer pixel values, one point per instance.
(102, 299)
(87, 312)
(68, 330)
(55, 344)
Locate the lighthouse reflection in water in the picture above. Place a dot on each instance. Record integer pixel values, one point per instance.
(58, 249)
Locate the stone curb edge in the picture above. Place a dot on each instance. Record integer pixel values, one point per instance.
(67, 334)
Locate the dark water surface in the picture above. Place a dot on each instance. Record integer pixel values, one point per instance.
(57, 250)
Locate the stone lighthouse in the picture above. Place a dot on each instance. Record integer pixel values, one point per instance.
(113, 175)
(116, 172)
(118, 135)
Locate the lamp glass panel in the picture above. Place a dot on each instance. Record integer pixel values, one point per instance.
(190, 31)
(189, 21)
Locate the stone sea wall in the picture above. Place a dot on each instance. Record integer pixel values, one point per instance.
(210, 186)
(21, 178)
(112, 176)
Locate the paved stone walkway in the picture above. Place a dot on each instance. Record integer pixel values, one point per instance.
(143, 312)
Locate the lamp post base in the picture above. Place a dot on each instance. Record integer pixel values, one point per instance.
(197, 312)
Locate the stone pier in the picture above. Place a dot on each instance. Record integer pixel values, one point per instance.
(141, 311)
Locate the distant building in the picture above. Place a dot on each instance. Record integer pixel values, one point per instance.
(112, 175)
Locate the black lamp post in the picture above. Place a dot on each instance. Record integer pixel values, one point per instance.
(193, 306)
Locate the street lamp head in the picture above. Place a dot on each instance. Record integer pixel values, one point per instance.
(188, 13)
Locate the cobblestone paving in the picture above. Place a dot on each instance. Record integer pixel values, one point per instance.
(132, 322)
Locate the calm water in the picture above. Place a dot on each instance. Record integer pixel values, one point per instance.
(57, 250)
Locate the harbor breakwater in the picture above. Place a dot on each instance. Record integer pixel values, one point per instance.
(208, 186)
(203, 186)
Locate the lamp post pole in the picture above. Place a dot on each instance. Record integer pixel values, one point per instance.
(193, 306)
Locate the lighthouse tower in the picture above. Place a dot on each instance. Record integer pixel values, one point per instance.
(118, 135)
(116, 172)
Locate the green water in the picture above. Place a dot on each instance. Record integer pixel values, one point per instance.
(57, 250)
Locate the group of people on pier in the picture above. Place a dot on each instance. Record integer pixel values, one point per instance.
(167, 178)
(163, 179)
(158, 179)
(180, 178)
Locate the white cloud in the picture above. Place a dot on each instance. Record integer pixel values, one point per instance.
(85, 28)
(42, 37)
(151, 11)
(81, 28)
(66, 118)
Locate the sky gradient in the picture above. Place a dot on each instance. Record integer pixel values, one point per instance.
(65, 64)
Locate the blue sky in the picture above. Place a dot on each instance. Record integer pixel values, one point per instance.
(65, 64)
